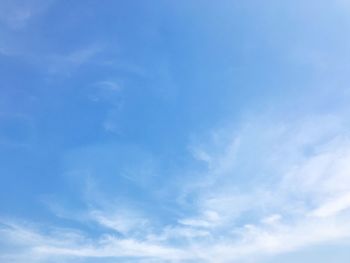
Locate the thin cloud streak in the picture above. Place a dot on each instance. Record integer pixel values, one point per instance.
(300, 207)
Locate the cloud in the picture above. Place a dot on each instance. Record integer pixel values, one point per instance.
(298, 174)
(120, 220)
(333, 207)
(17, 13)
(68, 245)
(293, 194)
(15, 18)
(108, 85)
(65, 64)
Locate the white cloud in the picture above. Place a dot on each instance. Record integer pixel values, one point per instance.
(299, 169)
(295, 194)
(333, 206)
(67, 244)
(120, 220)
(65, 64)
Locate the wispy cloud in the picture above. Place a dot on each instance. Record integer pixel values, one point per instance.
(16, 14)
(65, 64)
(68, 245)
(121, 221)
(300, 197)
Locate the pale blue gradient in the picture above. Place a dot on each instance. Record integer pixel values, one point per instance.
(178, 124)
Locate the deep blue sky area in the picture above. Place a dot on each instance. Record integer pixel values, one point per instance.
(174, 131)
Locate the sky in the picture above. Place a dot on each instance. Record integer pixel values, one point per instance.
(174, 131)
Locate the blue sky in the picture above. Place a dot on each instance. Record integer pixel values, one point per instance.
(174, 131)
